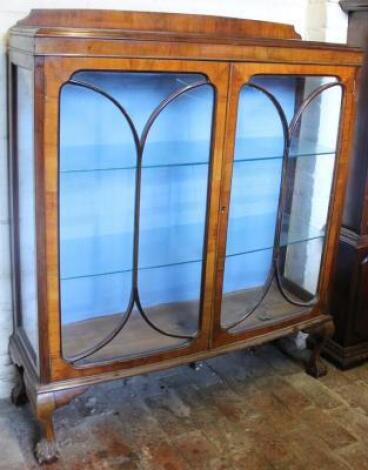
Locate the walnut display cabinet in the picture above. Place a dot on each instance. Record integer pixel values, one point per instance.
(177, 186)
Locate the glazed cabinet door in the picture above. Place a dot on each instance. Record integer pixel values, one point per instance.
(137, 142)
(280, 199)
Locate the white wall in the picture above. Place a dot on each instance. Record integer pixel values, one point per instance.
(326, 21)
(313, 19)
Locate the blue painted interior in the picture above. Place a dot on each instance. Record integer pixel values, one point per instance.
(97, 170)
(256, 182)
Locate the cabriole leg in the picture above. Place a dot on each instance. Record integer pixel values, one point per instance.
(315, 367)
(45, 403)
(46, 449)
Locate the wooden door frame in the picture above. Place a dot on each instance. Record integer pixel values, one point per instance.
(240, 74)
(52, 73)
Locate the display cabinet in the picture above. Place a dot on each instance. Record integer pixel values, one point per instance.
(177, 185)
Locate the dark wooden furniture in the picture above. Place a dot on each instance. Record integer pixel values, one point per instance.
(177, 187)
(349, 346)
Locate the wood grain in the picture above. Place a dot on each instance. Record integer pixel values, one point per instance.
(47, 20)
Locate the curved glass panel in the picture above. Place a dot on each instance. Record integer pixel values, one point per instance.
(254, 199)
(306, 189)
(132, 211)
(97, 171)
(173, 210)
(310, 181)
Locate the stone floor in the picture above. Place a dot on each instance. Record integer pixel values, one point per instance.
(246, 410)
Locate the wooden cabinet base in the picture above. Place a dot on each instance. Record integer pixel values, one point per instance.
(46, 398)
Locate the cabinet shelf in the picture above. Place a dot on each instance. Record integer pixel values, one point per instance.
(129, 270)
(248, 150)
(257, 250)
(191, 261)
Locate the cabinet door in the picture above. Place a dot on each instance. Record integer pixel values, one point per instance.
(276, 198)
(135, 161)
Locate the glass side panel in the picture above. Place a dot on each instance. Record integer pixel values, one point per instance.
(254, 234)
(26, 206)
(131, 234)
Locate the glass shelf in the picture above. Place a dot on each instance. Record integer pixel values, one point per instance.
(247, 149)
(99, 232)
(242, 239)
(82, 243)
(175, 154)
(129, 270)
(269, 248)
(109, 157)
(108, 293)
(113, 253)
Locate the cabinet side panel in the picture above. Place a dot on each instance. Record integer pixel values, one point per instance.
(25, 222)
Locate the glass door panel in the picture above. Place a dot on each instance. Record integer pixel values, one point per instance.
(310, 173)
(134, 163)
(255, 192)
(284, 158)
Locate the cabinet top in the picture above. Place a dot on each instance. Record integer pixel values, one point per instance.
(57, 21)
(112, 33)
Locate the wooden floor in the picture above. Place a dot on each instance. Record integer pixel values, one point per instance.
(138, 338)
(256, 411)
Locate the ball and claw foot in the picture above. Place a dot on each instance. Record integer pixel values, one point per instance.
(316, 369)
(46, 452)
